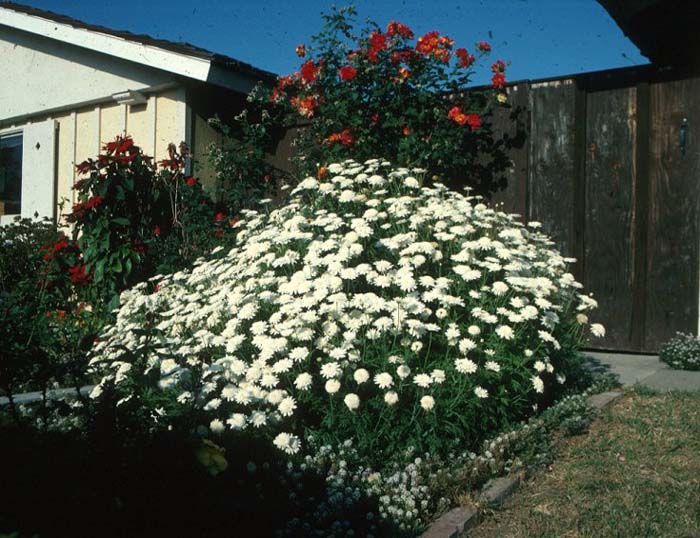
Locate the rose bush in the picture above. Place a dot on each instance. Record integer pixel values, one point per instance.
(377, 91)
(368, 307)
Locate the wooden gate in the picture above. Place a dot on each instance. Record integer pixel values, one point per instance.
(611, 167)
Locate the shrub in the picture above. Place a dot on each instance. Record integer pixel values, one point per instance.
(374, 92)
(366, 308)
(134, 219)
(387, 93)
(681, 352)
(46, 328)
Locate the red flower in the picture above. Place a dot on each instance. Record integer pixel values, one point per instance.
(498, 66)
(498, 80)
(345, 137)
(78, 276)
(457, 116)
(395, 28)
(432, 43)
(301, 50)
(483, 46)
(219, 217)
(322, 171)
(305, 105)
(191, 181)
(309, 71)
(377, 42)
(375, 118)
(465, 59)
(138, 246)
(126, 144)
(347, 72)
(156, 231)
(404, 73)
(407, 131)
(83, 168)
(474, 121)
(427, 43)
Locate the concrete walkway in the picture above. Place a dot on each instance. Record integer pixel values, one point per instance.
(645, 370)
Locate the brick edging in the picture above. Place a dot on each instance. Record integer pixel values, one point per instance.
(495, 491)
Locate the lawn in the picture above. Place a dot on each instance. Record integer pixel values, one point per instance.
(635, 474)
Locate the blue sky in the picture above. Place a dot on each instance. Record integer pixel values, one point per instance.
(541, 38)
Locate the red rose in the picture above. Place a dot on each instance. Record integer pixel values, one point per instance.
(191, 182)
(465, 59)
(301, 50)
(407, 131)
(219, 217)
(483, 46)
(457, 116)
(498, 66)
(474, 121)
(309, 71)
(498, 80)
(401, 29)
(156, 231)
(347, 72)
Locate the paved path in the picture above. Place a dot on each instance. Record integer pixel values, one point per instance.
(646, 370)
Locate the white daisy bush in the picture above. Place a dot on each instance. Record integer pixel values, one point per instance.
(368, 307)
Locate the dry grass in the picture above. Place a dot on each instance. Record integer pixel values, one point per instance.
(636, 474)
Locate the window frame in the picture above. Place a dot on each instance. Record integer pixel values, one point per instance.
(12, 131)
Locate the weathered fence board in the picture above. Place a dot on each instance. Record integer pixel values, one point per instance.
(672, 263)
(511, 126)
(551, 162)
(610, 176)
(602, 169)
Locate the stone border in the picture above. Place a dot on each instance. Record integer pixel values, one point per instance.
(53, 394)
(495, 491)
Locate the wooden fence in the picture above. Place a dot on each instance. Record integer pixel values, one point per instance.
(609, 164)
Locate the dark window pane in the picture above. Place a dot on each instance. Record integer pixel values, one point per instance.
(10, 174)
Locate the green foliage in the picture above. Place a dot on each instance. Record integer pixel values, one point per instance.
(374, 93)
(369, 93)
(681, 352)
(45, 327)
(121, 201)
(242, 173)
(134, 220)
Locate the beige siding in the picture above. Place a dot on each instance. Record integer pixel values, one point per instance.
(170, 121)
(66, 161)
(138, 126)
(112, 122)
(81, 133)
(204, 136)
(87, 134)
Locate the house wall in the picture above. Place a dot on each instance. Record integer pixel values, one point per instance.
(81, 132)
(46, 75)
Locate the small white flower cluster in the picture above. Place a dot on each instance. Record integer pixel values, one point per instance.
(363, 286)
(409, 494)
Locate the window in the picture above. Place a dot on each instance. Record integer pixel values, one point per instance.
(10, 174)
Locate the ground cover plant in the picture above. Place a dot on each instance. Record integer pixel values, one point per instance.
(369, 309)
(635, 474)
(681, 352)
